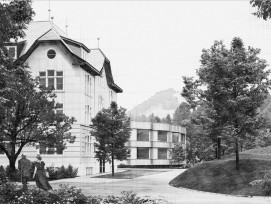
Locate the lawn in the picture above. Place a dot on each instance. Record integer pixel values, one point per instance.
(220, 176)
(131, 173)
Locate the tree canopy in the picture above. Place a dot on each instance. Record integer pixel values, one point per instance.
(263, 8)
(233, 83)
(111, 129)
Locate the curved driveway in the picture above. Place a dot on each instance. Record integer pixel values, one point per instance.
(156, 187)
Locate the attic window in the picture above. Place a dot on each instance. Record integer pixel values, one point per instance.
(51, 54)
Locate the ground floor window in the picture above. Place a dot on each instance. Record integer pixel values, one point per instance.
(143, 153)
(46, 149)
(183, 138)
(162, 153)
(88, 145)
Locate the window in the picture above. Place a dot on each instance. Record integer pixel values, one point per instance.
(51, 54)
(47, 149)
(143, 135)
(162, 153)
(59, 108)
(87, 145)
(175, 137)
(87, 85)
(11, 51)
(51, 79)
(162, 136)
(87, 114)
(143, 153)
(183, 138)
(100, 103)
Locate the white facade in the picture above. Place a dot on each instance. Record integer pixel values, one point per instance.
(82, 89)
(150, 143)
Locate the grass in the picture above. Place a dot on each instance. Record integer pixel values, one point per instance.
(130, 174)
(220, 176)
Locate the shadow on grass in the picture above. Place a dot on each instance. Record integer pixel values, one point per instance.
(130, 174)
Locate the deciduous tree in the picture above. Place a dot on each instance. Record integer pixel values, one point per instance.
(111, 129)
(28, 116)
(233, 83)
(263, 8)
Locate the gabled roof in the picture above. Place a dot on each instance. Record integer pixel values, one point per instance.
(46, 31)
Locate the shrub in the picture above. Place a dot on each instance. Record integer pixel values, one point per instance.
(62, 172)
(3, 176)
(13, 175)
(265, 184)
(127, 197)
(267, 187)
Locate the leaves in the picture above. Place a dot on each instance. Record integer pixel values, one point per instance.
(111, 128)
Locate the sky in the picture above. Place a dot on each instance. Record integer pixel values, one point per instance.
(152, 44)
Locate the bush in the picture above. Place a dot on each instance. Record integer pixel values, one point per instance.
(3, 176)
(11, 193)
(62, 172)
(265, 184)
(13, 175)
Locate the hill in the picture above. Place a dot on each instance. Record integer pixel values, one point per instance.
(220, 176)
(162, 103)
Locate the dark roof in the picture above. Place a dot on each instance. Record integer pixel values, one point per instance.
(109, 77)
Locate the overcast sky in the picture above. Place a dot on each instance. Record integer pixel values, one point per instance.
(152, 44)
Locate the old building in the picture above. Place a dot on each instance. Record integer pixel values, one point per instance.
(83, 82)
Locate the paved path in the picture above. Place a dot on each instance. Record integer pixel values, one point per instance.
(155, 186)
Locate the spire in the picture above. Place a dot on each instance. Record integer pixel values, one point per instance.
(98, 42)
(66, 26)
(49, 10)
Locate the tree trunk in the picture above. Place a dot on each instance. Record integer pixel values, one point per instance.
(218, 147)
(113, 165)
(237, 154)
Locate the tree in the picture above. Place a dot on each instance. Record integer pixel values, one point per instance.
(177, 154)
(181, 114)
(28, 116)
(233, 83)
(14, 16)
(263, 8)
(111, 129)
(167, 119)
(27, 113)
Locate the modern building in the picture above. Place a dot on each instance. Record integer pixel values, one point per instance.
(150, 143)
(83, 82)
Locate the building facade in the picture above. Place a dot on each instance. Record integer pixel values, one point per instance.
(150, 143)
(83, 82)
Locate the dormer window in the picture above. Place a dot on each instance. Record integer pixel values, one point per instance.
(12, 51)
(51, 54)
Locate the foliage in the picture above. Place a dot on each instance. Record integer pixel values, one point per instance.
(127, 198)
(177, 154)
(263, 8)
(199, 146)
(62, 172)
(11, 193)
(264, 183)
(167, 119)
(181, 114)
(29, 117)
(3, 175)
(111, 129)
(14, 16)
(27, 113)
(232, 84)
